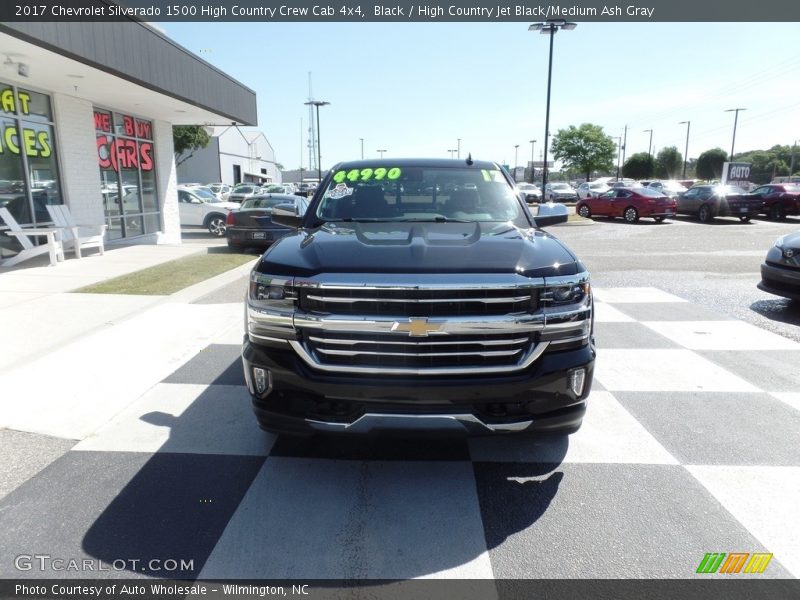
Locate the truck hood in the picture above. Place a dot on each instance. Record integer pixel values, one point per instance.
(391, 247)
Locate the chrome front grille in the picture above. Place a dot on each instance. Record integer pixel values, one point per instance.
(421, 353)
(410, 302)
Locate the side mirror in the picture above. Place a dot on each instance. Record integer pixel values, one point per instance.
(286, 215)
(551, 214)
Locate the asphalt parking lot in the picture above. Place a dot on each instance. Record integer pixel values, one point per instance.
(716, 266)
(689, 445)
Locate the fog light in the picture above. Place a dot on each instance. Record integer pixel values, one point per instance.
(576, 380)
(263, 380)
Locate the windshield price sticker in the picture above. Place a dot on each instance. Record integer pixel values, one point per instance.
(367, 174)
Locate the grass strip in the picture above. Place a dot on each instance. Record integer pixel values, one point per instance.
(169, 277)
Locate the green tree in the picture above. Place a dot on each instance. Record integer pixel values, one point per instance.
(186, 139)
(709, 163)
(638, 166)
(584, 149)
(766, 164)
(669, 163)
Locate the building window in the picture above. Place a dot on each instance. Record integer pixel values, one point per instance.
(29, 177)
(126, 156)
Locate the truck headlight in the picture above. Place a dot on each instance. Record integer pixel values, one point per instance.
(271, 292)
(566, 294)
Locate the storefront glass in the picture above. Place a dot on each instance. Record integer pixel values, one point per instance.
(126, 157)
(29, 177)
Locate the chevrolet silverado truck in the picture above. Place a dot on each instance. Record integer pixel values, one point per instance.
(418, 294)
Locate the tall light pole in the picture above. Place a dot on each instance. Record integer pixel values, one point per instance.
(735, 121)
(516, 161)
(650, 143)
(458, 148)
(452, 152)
(549, 27)
(318, 103)
(381, 152)
(791, 169)
(533, 169)
(362, 148)
(619, 151)
(686, 152)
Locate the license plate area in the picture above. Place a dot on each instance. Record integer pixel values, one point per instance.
(258, 235)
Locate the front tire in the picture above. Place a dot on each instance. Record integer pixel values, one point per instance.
(631, 215)
(659, 219)
(704, 214)
(584, 211)
(216, 226)
(744, 219)
(777, 212)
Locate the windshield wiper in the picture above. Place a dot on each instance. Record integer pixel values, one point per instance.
(439, 219)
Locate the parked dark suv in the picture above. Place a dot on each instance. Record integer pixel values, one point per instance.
(419, 294)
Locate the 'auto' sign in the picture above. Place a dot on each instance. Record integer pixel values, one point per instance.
(735, 173)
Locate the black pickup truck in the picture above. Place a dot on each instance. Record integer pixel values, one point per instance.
(419, 294)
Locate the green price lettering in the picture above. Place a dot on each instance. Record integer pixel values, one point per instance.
(366, 174)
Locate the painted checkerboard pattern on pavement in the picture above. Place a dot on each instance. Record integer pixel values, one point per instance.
(690, 445)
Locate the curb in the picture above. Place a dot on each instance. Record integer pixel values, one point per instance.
(198, 290)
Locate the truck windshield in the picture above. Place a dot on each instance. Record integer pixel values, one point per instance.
(419, 194)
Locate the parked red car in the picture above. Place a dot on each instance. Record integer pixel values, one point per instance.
(628, 203)
(779, 199)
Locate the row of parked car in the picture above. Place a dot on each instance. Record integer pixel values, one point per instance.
(632, 200)
(211, 205)
(703, 201)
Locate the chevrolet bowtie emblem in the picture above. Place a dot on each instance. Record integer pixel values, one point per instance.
(417, 327)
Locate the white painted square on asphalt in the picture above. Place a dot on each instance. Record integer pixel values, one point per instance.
(790, 398)
(634, 294)
(346, 519)
(764, 500)
(185, 418)
(233, 335)
(721, 335)
(609, 434)
(669, 370)
(605, 313)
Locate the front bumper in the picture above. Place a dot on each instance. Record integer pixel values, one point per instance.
(780, 280)
(303, 400)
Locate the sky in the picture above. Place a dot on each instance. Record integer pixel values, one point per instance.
(414, 89)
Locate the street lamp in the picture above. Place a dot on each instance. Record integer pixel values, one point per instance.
(516, 162)
(452, 152)
(650, 144)
(735, 121)
(619, 151)
(318, 103)
(362, 148)
(458, 149)
(381, 152)
(549, 27)
(533, 169)
(791, 169)
(686, 152)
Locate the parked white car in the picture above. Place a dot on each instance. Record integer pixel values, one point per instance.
(592, 189)
(222, 190)
(199, 207)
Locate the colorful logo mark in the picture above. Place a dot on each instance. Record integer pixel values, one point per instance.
(735, 562)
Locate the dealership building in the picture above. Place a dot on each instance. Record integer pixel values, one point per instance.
(86, 121)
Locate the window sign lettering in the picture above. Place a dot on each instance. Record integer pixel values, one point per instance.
(16, 138)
